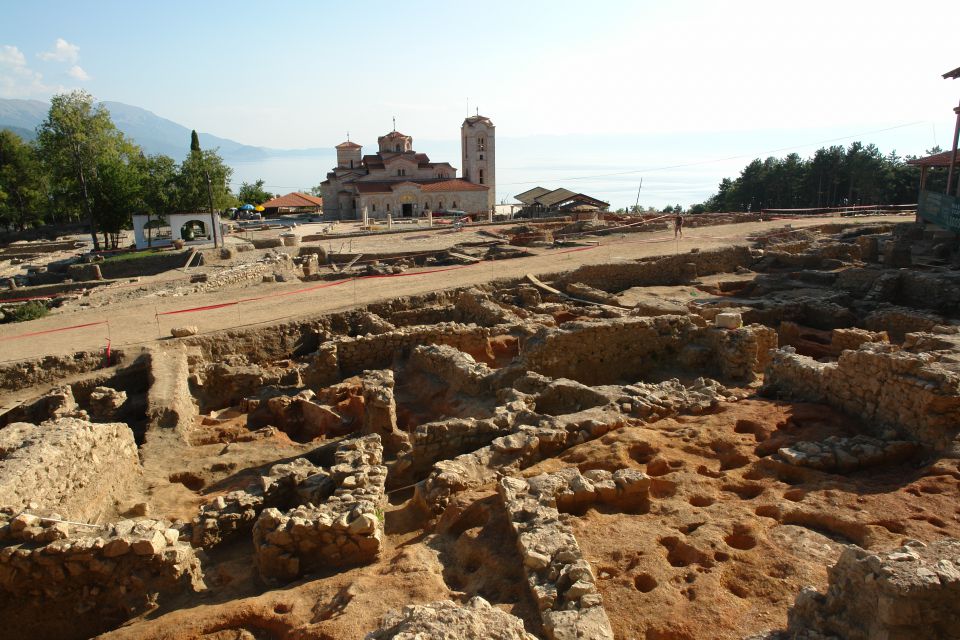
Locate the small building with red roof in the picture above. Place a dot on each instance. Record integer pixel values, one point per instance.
(296, 202)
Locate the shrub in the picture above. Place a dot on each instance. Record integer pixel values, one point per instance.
(29, 311)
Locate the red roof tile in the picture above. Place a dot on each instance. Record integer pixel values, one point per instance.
(295, 199)
(936, 160)
(348, 145)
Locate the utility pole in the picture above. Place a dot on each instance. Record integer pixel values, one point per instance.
(955, 74)
(637, 205)
(213, 216)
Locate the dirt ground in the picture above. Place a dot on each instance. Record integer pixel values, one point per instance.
(727, 543)
(137, 322)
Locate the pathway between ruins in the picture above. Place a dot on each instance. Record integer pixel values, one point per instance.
(137, 323)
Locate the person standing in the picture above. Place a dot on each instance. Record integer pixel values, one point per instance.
(678, 226)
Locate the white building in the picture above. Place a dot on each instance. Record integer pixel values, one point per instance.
(403, 183)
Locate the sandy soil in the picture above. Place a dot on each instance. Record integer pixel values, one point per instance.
(137, 323)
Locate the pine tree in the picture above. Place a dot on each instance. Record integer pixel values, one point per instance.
(194, 141)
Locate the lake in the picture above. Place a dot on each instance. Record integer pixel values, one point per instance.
(676, 168)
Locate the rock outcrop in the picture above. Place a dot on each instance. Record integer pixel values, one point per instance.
(41, 465)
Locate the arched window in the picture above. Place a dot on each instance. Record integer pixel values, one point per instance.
(351, 163)
(374, 205)
(388, 206)
(397, 148)
(454, 204)
(481, 176)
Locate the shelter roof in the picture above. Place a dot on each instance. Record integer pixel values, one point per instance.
(554, 197)
(936, 160)
(528, 197)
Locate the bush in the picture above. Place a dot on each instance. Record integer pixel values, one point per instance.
(29, 311)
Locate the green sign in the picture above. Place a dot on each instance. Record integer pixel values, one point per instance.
(940, 209)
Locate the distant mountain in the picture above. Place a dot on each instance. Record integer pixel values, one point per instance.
(26, 134)
(150, 131)
(22, 114)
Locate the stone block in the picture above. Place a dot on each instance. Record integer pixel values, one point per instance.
(729, 320)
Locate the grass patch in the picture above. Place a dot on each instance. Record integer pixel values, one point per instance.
(133, 255)
(29, 311)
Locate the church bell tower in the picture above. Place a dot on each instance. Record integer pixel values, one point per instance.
(478, 149)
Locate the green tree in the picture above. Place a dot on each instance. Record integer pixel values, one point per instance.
(192, 182)
(158, 195)
(118, 192)
(194, 141)
(253, 193)
(317, 191)
(22, 182)
(77, 136)
(158, 174)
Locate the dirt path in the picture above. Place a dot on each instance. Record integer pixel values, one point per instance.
(137, 323)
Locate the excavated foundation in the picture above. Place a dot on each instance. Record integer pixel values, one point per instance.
(665, 449)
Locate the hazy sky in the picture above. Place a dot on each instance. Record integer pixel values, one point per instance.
(301, 74)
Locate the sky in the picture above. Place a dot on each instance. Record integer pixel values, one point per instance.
(302, 74)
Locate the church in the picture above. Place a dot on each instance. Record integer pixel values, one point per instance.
(402, 183)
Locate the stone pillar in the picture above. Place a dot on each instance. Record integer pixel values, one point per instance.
(389, 221)
(365, 220)
(429, 218)
(869, 248)
(309, 264)
(380, 411)
(490, 215)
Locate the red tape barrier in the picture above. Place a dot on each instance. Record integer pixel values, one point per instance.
(40, 333)
(335, 284)
(325, 285)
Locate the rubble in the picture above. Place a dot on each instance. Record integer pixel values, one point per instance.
(237, 511)
(108, 569)
(344, 530)
(910, 592)
(843, 455)
(105, 402)
(446, 619)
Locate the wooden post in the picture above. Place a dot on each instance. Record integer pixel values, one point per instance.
(953, 155)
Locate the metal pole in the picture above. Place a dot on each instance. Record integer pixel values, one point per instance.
(213, 221)
(953, 155)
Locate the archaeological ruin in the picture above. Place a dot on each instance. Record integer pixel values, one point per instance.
(753, 441)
